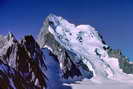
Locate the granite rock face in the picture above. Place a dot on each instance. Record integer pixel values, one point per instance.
(124, 63)
(22, 64)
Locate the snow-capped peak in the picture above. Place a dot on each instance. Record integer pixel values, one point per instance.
(85, 43)
(90, 30)
(10, 36)
(69, 32)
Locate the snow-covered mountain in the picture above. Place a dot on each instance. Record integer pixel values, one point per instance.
(81, 51)
(64, 56)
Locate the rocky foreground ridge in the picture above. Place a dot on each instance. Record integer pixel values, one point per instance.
(21, 64)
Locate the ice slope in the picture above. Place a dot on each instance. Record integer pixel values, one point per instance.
(87, 44)
(53, 71)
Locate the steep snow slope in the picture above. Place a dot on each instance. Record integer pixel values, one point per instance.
(87, 46)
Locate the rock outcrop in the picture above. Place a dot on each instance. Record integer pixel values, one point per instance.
(25, 59)
(124, 62)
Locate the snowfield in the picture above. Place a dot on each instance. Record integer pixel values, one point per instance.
(86, 84)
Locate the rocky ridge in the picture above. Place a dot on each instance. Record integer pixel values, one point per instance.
(21, 64)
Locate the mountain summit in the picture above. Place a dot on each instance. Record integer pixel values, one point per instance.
(81, 51)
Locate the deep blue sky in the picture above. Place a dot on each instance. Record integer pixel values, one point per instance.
(112, 18)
